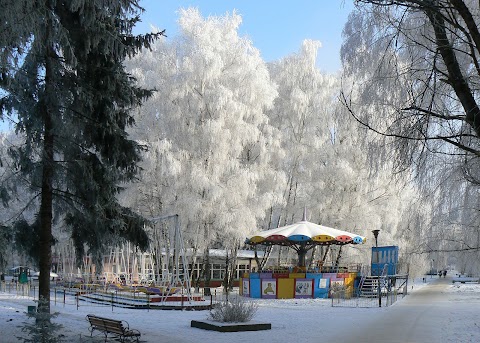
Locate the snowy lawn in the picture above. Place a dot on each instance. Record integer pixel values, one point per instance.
(293, 320)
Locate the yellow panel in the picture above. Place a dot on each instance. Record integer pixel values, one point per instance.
(285, 288)
(349, 282)
(323, 238)
(257, 239)
(296, 275)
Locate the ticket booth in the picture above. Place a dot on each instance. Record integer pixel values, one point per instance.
(386, 255)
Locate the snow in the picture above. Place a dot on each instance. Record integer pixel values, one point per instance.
(293, 320)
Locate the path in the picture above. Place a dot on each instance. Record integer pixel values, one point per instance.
(421, 317)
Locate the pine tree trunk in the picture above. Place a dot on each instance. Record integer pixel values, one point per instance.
(45, 252)
(46, 207)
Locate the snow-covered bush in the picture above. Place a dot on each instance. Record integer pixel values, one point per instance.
(236, 310)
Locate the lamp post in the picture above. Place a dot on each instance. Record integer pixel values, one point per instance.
(379, 291)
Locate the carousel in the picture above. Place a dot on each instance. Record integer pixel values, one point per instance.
(300, 281)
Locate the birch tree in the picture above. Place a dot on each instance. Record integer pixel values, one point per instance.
(415, 69)
(210, 143)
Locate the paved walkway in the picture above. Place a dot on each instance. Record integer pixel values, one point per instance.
(419, 318)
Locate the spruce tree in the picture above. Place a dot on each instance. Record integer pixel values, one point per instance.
(63, 78)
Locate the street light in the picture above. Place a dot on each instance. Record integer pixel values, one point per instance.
(375, 234)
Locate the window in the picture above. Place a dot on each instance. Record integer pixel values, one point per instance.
(241, 269)
(218, 272)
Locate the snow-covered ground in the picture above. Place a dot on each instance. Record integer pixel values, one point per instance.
(293, 320)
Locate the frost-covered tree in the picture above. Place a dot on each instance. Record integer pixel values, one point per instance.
(63, 78)
(209, 141)
(324, 166)
(327, 157)
(416, 65)
(415, 71)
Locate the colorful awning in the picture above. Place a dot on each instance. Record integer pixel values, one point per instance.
(305, 231)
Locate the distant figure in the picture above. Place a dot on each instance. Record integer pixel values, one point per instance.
(440, 273)
(445, 273)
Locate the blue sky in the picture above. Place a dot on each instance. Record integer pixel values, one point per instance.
(276, 28)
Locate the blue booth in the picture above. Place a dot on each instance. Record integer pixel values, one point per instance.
(386, 255)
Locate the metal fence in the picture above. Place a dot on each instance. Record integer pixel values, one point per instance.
(349, 298)
(80, 297)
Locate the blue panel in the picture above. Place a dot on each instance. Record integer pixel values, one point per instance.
(254, 275)
(358, 240)
(255, 291)
(386, 255)
(298, 238)
(321, 292)
(313, 275)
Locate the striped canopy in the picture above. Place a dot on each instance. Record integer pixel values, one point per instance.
(305, 232)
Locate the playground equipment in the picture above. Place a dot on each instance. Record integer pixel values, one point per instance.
(163, 270)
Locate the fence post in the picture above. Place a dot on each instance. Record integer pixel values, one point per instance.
(182, 296)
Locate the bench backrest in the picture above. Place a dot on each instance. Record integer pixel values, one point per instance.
(106, 324)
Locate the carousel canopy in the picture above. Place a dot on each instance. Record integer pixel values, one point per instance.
(304, 232)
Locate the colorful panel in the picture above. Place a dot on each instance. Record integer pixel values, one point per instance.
(269, 288)
(245, 289)
(275, 238)
(256, 239)
(357, 240)
(323, 238)
(343, 238)
(303, 288)
(298, 238)
(285, 288)
(321, 288)
(255, 288)
(280, 275)
(296, 275)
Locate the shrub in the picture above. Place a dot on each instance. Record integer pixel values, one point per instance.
(237, 310)
(42, 330)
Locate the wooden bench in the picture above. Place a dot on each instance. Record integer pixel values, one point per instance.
(117, 328)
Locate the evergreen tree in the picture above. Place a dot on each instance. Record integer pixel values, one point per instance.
(63, 78)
